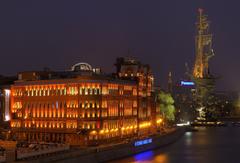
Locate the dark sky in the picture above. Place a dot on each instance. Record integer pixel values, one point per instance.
(58, 34)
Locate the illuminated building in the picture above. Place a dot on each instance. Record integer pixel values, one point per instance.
(131, 69)
(81, 106)
(184, 93)
(5, 93)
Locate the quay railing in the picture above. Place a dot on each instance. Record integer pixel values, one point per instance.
(28, 153)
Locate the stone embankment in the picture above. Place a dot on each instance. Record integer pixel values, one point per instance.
(113, 152)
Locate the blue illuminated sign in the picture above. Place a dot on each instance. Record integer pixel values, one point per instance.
(143, 142)
(187, 83)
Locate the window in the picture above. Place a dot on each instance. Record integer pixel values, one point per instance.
(65, 91)
(80, 91)
(86, 91)
(105, 91)
(90, 91)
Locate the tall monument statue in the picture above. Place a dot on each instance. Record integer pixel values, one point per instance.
(203, 45)
(201, 75)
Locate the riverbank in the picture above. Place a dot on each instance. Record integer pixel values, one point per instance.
(116, 151)
(208, 124)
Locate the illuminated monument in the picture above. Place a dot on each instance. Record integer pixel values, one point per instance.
(202, 77)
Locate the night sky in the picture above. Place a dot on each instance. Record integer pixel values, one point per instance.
(58, 34)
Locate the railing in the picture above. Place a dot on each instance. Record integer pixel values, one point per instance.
(22, 154)
(3, 158)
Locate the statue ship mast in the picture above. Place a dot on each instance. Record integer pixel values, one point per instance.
(203, 46)
(201, 75)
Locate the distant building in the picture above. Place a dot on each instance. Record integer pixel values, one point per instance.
(83, 106)
(223, 104)
(184, 96)
(170, 83)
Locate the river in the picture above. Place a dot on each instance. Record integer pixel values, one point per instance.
(208, 145)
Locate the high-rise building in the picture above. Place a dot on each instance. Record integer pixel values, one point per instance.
(184, 96)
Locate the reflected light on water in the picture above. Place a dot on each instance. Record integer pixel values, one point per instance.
(188, 134)
(207, 145)
(143, 157)
(162, 158)
(149, 156)
(188, 139)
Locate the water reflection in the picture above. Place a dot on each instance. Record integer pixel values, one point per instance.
(188, 139)
(149, 156)
(208, 145)
(161, 158)
(144, 156)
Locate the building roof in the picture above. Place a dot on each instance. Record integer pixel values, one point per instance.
(76, 78)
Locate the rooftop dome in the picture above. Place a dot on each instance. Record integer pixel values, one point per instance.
(81, 67)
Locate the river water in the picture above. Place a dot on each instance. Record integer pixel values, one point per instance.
(208, 145)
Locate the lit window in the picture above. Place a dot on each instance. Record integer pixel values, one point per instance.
(80, 91)
(65, 91)
(90, 91)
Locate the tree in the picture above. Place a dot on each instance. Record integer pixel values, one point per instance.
(167, 105)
